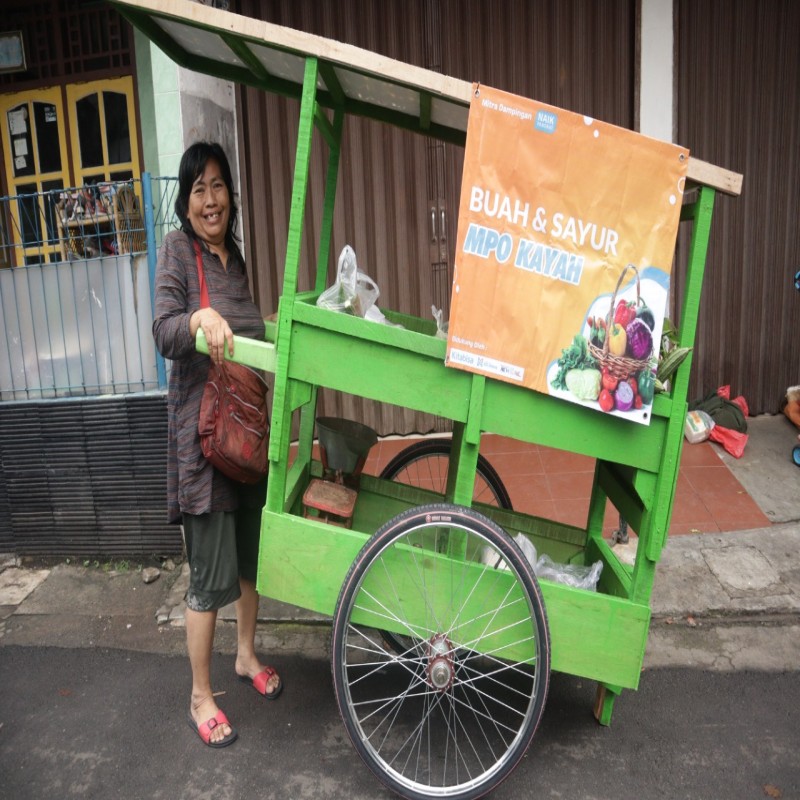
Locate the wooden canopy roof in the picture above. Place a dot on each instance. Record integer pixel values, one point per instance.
(273, 57)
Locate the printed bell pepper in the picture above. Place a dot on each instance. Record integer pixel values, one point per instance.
(647, 386)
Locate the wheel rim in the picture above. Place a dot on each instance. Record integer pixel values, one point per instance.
(452, 715)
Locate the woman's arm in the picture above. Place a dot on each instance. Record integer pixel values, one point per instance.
(176, 322)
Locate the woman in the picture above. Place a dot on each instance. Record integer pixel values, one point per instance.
(221, 518)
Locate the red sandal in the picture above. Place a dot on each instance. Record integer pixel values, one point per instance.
(204, 730)
(259, 683)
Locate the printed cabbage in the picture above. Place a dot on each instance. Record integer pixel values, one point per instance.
(584, 383)
(640, 339)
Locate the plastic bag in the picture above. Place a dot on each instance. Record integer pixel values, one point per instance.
(441, 325)
(374, 314)
(733, 441)
(725, 393)
(576, 575)
(492, 558)
(698, 426)
(353, 292)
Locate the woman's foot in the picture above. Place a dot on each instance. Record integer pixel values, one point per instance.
(264, 679)
(205, 711)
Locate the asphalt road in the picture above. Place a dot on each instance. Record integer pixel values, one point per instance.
(99, 723)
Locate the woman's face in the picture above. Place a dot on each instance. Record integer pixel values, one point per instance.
(209, 205)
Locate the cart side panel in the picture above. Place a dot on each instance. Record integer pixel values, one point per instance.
(378, 371)
(593, 635)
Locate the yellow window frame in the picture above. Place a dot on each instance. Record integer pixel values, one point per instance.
(43, 249)
(78, 91)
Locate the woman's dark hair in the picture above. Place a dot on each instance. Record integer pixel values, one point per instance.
(192, 166)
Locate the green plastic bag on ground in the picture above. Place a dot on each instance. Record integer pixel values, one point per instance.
(724, 412)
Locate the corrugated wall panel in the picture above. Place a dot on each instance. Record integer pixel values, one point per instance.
(85, 478)
(573, 53)
(738, 70)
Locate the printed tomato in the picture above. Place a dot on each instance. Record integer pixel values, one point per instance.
(609, 381)
(606, 400)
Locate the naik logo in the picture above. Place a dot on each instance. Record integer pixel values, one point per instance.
(545, 121)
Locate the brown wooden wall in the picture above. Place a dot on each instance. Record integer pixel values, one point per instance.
(398, 192)
(738, 90)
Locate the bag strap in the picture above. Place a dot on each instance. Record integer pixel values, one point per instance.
(204, 301)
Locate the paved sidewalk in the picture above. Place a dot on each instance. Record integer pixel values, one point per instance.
(725, 601)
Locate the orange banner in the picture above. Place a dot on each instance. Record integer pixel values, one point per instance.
(566, 234)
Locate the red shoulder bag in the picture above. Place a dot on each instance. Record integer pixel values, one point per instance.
(233, 423)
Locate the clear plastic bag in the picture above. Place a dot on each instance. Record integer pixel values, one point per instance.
(490, 556)
(441, 324)
(576, 575)
(353, 292)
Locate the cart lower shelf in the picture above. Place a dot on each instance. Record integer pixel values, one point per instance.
(599, 635)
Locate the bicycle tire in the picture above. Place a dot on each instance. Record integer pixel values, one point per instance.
(426, 463)
(428, 722)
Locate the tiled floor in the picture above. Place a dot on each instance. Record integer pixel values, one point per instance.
(555, 484)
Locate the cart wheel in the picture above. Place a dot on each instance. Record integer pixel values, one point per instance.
(453, 714)
(425, 464)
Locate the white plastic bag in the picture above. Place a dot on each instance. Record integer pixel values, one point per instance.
(698, 426)
(492, 558)
(353, 292)
(576, 575)
(441, 325)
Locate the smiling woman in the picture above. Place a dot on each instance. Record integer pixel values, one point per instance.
(209, 208)
(221, 517)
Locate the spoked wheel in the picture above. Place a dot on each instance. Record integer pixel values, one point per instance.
(452, 715)
(425, 464)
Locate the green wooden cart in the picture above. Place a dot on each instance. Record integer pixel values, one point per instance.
(443, 640)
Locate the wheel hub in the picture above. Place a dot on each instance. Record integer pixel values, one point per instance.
(440, 667)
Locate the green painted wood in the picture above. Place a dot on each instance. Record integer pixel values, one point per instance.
(534, 417)
(616, 486)
(260, 355)
(472, 430)
(604, 702)
(324, 126)
(331, 180)
(332, 82)
(240, 47)
(417, 336)
(395, 375)
(279, 435)
(596, 636)
(615, 579)
(700, 213)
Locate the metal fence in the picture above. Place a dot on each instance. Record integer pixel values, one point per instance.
(76, 278)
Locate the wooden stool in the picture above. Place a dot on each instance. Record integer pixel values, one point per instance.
(333, 502)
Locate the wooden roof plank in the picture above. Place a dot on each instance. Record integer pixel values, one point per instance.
(386, 75)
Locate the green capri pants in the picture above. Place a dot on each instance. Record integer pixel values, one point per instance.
(222, 546)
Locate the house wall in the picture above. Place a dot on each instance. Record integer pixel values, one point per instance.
(655, 114)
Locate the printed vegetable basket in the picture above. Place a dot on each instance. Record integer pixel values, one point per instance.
(620, 367)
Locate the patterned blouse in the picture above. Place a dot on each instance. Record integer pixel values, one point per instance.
(193, 485)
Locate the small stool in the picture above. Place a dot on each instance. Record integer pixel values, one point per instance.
(333, 502)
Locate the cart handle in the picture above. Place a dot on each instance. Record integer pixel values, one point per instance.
(251, 352)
